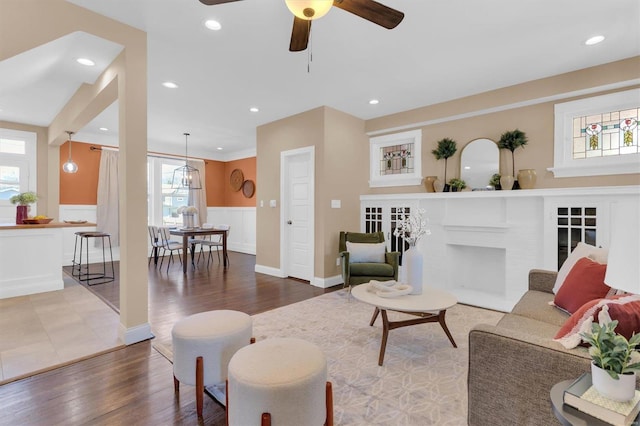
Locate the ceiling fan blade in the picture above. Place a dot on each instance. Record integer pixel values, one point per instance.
(215, 2)
(299, 34)
(372, 11)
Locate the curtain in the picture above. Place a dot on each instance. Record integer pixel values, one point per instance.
(107, 216)
(198, 197)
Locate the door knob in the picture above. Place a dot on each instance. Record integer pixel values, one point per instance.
(289, 222)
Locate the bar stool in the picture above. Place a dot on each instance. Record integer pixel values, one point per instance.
(88, 276)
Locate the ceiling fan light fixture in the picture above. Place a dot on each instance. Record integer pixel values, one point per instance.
(309, 9)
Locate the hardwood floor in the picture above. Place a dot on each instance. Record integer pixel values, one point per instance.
(134, 385)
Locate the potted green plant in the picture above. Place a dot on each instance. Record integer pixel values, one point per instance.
(22, 209)
(512, 140)
(446, 148)
(615, 361)
(457, 185)
(495, 181)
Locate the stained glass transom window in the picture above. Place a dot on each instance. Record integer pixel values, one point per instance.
(606, 134)
(397, 159)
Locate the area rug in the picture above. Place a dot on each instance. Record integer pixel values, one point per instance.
(422, 381)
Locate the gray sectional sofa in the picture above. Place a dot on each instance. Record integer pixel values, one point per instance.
(514, 365)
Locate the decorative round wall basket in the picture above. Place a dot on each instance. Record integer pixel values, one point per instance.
(248, 188)
(236, 179)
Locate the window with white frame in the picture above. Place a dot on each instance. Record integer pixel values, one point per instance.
(162, 200)
(17, 163)
(396, 159)
(597, 136)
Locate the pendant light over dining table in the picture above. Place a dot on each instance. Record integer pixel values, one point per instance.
(69, 166)
(186, 177)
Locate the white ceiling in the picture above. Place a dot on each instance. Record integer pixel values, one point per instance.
(443, 49)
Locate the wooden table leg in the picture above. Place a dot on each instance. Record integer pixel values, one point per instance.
(224, 249)
(375, 316)
(445, 328)
(424, 318)
(385, 334)
(185, 254)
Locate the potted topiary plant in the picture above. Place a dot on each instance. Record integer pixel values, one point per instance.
(446, 148)
(512, 140)
(495, 181)
(23, 200)
(615, 360)
(457, 185)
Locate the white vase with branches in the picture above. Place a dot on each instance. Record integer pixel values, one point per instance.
(411, 229)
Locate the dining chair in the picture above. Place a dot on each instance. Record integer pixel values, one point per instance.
(170, 245)
(156, 242)
(193, 242)
(216, 241)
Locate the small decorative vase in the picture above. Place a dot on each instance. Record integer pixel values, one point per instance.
(438, 185)
(188, 220)
(21, 214)
(527, 178)
(412, 261)
(428, 183)
(620, 390)
(506, 182)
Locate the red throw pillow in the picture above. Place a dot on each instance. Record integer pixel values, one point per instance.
(624, 308)
(584, 282)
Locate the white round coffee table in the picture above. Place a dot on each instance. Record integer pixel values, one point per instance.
(430, 306)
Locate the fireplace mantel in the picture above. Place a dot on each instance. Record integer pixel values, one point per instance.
(483, 243)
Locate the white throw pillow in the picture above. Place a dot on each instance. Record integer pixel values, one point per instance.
(365, 252)
(582, 250)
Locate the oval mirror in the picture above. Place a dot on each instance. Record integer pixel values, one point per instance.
(479, 161)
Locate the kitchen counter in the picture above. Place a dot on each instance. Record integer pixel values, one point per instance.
(45, 225)
(31, 256)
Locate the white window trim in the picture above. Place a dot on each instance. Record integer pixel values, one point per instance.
(564, 165)
(27, 162)
(375, 146)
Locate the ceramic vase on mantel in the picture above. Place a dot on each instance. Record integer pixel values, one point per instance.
(22, 212)
(620, 390)
(527, 178)
(438, 185)
(412, 261)
(428, 183)
(506, 182)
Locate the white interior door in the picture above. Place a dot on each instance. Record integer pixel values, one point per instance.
(297, 232)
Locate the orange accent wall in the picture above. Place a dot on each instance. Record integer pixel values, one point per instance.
(237, 199)
(82, 187)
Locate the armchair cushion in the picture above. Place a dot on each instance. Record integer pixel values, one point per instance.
(366, 253)
(372, 269)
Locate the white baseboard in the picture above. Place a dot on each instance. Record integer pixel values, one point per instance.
(327, 282)
(275, 272)
(135, 334)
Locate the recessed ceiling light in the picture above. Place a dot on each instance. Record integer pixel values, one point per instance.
(212, 25)
(104, 129)
(594, 40)
(374, 102)
(254, 109)
(219, 148)
(170, 85)
(85, 61)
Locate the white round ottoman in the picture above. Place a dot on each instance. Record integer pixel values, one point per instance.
(281, 381)
(203, 344)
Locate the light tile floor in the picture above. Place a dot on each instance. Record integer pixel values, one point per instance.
(47, 329)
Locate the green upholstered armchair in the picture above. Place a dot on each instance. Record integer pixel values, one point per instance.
(363, 272)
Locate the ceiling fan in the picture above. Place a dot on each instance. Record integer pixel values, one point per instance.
(307, 10)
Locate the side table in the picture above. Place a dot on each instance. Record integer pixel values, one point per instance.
(570, 416)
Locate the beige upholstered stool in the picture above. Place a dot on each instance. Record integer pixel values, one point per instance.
(203, 344)
(279, 380)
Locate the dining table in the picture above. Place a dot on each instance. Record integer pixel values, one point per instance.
(187, 233)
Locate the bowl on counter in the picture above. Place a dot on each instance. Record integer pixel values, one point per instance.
(36, 221)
